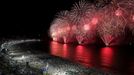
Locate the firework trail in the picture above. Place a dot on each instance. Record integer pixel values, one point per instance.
(85, 20)
(127, 7)
(113, 24)
(111, 29)
(85, 37)
(62, 28)
(101, 3)
(81, 11)
(55, 31)
(68, 27)
(83, 16)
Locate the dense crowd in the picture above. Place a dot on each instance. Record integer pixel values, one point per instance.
(21, 62)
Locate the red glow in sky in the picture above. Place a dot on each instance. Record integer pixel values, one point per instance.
(60, 31)
(54, 34)
(107, 39)
(74, 27)
(55, 39)
(133, 18)
(79, 39)
(118, 12)
(94, 21)
(65, 39)
(86, 27)
(68, 28)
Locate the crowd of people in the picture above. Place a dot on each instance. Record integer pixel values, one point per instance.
(24, 62)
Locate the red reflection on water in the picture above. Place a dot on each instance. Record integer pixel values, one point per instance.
(79, 54)
(65, 51)
(61, 50)
(108, 58)
(83, 55)
(55, 48)
(107, 54)
(79, 50)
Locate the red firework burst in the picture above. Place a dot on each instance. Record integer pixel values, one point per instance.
(85, 20)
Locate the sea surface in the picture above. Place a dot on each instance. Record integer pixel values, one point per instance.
(112, 59)
(116, 59)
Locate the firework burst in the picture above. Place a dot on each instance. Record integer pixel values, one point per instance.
(63, 27)
(111, 28)
(81, 12)
(55, 31)
(85, 20)
(113, 23)
(127, 7)
(84, 17)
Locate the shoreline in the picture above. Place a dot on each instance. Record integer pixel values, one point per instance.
(39, 64)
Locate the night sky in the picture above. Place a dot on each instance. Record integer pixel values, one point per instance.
(30, 18)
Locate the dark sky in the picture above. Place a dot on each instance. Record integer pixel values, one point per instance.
(33, 17)
(30, 18)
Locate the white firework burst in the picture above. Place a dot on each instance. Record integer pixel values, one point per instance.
(63, 26)
(80, 11)
(112, 25)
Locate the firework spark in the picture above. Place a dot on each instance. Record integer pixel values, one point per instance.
(62, 28)
(84, 20)
(113, 24)
(84, 17)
